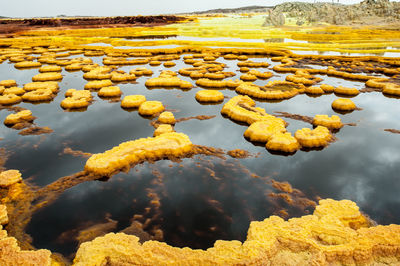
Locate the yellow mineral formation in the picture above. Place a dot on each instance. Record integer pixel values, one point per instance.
(50, 68)
(283, 142)
(274, 90)
(248, 77)
(9, 177)
(133, 152)
(8, 83)
(48, 76)
(3, 215)
(262, 131)
(168, 79)
(346, 91)
(20, 117)
(166, 118)
(313, 138)
(98, 84)
(209, 96)
(345, 211)
(332, 122)
(327, 88)
(216, 75)
(149, 108)
(162, 129)
(14, 90)
(98, 73)
(391, 89)
(313, 90)
(27, 64)
(140, 71)
(76, 99)
(122, 77)
(242, 109)
(303, 77)
(169, 64)
(260, 75)
(251, 64)
(111, 91)
(342, 104)
(11, 254)
(132, 101)
(154, 63)
(335, 234)
(208, 83)
(10, 99)
(38, 95)
(52, 85)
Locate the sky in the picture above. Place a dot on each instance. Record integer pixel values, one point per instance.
(50, 8)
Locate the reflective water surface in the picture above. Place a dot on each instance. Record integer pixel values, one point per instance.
(204, 198)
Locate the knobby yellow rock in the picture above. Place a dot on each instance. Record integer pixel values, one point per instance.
(133, 152)
(337, 233)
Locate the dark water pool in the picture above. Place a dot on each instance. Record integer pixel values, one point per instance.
(204, 198)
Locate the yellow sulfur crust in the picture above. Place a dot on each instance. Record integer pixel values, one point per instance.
(132, 152)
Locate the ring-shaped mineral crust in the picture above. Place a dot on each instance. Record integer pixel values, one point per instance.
(262, 131)
(346, 91)
(27, 64)
(149, 108)
(22, 116)
(52, 85)
(274, 90)
(111, 91)
(14, 90)
(342, 104)
(209, 96)
(50, 68)
(283, 142)
(98, 84)
(332, 122)
(242, 109)
(391, 89)
(8, 83)
(38, 95)
(48, 76)
(162, 129)
(132, 152)
(132, 101)
(166, 118)
(313, 138)
(10, 99)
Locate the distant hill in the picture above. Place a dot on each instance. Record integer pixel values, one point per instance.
(245, 9)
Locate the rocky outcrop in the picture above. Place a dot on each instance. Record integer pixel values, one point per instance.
(336, 14)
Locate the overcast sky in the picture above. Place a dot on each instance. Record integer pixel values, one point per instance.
(40, 8)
